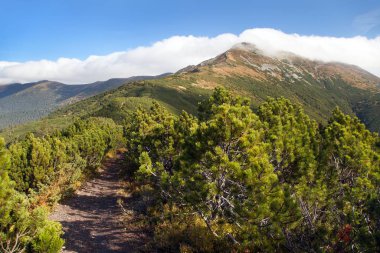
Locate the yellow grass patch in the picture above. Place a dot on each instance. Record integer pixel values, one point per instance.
(205, 84)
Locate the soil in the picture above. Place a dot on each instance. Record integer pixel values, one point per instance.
(94, 220)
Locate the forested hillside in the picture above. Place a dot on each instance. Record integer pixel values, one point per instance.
(20, 103)
(221, 179)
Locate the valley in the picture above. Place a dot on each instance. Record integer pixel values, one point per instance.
(21, 103)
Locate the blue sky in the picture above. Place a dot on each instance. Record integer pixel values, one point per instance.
(82, 41)
(49, 29)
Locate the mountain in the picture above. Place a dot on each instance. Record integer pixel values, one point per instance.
(20, 103)
(318, 86)
(245, 70)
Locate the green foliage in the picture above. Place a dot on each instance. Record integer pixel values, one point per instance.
(293, 138)
(351, 168)
(48, 239)
(154, 132)
(187, 234)
(268, 181)
(48, 166)
(20, 225)
(275, 181)
(37, 170)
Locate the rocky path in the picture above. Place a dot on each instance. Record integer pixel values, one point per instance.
(93, 219)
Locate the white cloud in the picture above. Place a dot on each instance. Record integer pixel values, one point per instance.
(177, 52)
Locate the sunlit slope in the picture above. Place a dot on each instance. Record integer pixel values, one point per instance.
(319, 87)
(20, 103)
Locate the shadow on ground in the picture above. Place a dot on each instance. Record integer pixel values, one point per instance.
(92, 219)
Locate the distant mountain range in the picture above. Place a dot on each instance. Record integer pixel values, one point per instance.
(318, 86)
(20, 103)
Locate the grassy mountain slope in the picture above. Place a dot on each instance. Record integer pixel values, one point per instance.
(318, 86)
(20, 103)
(247, 71)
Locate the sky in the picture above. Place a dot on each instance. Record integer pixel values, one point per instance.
(78, 41)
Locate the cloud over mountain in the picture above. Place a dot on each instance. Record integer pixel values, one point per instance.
(176, 52)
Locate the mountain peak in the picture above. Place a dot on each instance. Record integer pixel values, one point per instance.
(247, 60)
(248, 47)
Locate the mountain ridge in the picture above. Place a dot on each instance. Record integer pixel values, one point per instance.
(318, 69)
(317, 86)
(20, 103)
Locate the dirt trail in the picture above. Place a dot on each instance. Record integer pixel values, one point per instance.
(93, 220)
